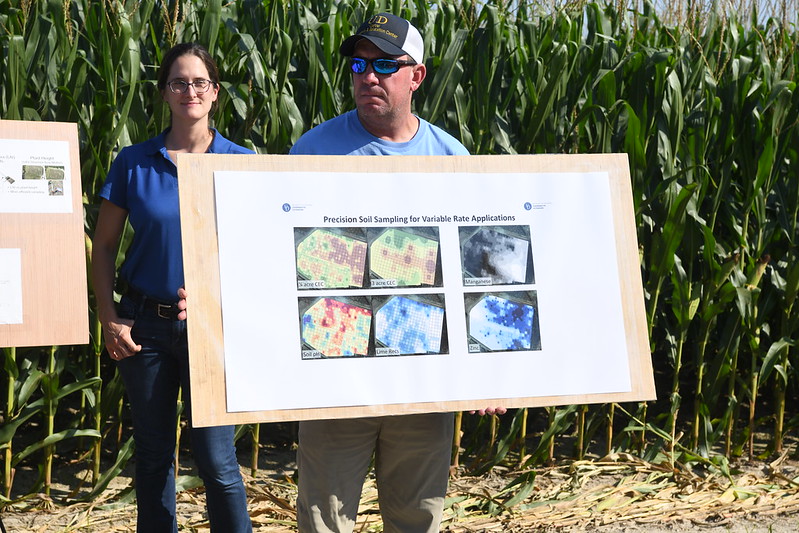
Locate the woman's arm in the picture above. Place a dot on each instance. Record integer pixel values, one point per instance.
(116, 331)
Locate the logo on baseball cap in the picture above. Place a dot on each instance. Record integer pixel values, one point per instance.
(392, 34)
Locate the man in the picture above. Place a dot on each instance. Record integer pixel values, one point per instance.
(382, 123)
(412, 452)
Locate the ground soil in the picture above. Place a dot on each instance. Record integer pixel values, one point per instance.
(618, 493)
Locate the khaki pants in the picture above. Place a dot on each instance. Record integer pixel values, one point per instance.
(412, 458)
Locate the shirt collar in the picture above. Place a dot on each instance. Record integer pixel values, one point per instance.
(158, 143)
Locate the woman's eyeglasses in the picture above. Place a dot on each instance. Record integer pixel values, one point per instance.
(381, 65)
(200, 86)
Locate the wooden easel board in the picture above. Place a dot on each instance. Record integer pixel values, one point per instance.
(467, 282)
(43, 295)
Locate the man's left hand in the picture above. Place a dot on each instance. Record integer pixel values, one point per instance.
(490, 411)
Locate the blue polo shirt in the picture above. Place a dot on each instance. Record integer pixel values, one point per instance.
(144, 181)
(345, 135)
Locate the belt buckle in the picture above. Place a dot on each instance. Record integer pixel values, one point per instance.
(164, 311)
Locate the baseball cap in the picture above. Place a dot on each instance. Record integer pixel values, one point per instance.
(392, 34)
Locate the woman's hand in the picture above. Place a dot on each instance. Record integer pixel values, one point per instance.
(118, 342)
(182, 304)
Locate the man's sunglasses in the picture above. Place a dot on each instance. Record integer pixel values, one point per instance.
(381, 65)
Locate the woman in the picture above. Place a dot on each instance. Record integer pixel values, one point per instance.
(143, 335)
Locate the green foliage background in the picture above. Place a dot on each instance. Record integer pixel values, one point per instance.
(705, 109)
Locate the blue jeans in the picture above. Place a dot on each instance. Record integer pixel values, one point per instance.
(152, 379)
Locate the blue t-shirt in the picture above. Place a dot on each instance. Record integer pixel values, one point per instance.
(144, 181)
(345, 135)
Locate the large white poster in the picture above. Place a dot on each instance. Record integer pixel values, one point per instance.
(355, 289)
(35, 176)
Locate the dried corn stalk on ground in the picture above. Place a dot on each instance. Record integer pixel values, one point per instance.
(619, 493)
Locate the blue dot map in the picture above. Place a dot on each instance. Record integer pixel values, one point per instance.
(410, 326)
(501, 324)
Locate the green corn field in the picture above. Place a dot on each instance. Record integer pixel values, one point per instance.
(701, 97)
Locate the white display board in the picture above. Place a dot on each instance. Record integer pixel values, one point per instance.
(43, 289)
(344, 288)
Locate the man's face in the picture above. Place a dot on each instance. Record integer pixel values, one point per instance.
(384, 95)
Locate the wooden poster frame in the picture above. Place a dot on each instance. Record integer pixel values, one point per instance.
(202, 275)
(53, 253)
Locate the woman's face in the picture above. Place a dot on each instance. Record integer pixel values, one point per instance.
(189, 106)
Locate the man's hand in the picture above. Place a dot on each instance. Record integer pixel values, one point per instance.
(490, 411)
